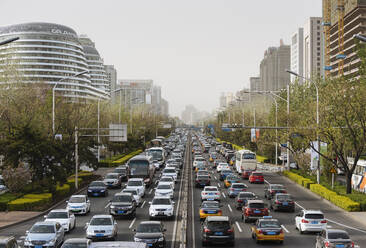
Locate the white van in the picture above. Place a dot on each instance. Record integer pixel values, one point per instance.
(245, 160)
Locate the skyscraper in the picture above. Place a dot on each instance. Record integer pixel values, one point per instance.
(297, 54)
(111, 74)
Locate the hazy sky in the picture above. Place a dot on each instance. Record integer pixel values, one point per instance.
(194, 49)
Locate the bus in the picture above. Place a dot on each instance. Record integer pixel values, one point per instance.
(158, 154)
(245, 160)
(156, 143)
(141, 166)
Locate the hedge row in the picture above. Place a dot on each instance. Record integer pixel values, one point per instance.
(30, 202)
(124, 159)
(341, 201)
(5, 199)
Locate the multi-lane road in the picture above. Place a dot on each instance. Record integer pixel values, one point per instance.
(336, 218)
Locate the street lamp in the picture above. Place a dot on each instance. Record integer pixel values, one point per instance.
(4, 42)
(360, 37)
(53, 96)
(317, 118)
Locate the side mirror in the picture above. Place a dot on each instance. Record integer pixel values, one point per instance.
(67, 201)
(115, 222)
(86, 225)
(173, 202)
(88, 201)
(26, 232)
(45, 216)
(150, 202)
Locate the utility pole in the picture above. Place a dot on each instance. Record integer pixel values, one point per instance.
(98, 130)
(76, 157)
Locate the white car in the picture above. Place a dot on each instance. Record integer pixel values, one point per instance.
(62, 216)
(310, 221)
(137, 183)
(101, 227)
(169, 180)
(197, 161)
(78, 204)
(210, 193)
(135, 195)
(161, 207)
(112, 180)
(170, 171)
(222, 166)
(164, 190)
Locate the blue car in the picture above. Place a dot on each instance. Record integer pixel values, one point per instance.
(236, 188)
(224, 174)
(97, 188)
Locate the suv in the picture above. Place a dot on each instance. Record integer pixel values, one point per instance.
(210, 193)
(151, 233)
(310, 221)
(137, 183)
(8, 242)
(254, 209)
(334, 238)
(282, 202)
(78, 204)
(218, 229)
(273, 189)
(122, 204)
(161, 207)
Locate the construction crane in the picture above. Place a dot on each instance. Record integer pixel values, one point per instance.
(340, 56)
(327, 25)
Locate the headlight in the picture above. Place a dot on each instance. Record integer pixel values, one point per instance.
(161, 239)
(113, 206)
(52, 241)
(137, 240)
(89, 190)
(102, 190)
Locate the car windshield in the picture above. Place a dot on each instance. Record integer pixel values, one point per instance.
(161, 201)
(134, 183)
(225, 171)
(101, 222)
(203, 177)
(133, 192)
(283, 197)
(337, 235)
(257, 174)
(73, 245)
(246, 195)
(77, 200)
(122, 198)
(164, 186)
(256, 205)
(218, 224)
(166, 179)
(200, 159)
(277, 187)
(269, 224)
(111, 176)
(210, 189)
(149, 228)
(42, 229)
(97, 184)
(57, 215)
(120, 170)
(314, 216)
(169, 171)
(210, 205)
(238, 186)
(248, 156)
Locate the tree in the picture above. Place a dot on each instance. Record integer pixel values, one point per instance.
(16, 178)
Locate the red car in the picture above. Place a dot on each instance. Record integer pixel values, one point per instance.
(256, 177)
(245, 174)
(253, 210)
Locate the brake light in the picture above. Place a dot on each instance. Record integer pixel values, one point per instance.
(206, 230)
(327, 244)
(323, 221)
(352, 244)
(239, 200)
(277, 202)
(217, 193)
(284, 191)
(281, 231)
(260, 231)
(304, 221)
(231, 230)
(219, 212)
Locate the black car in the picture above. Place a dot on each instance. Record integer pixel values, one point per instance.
(218, 229)
(151, 233)
(243, 197)
(123, 204)
(123, 172)
(282, 202)
(97, 188)
(202, 181)
(273, 189)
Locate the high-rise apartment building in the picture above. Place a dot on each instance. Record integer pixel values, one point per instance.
(313, 60)
(134, 91)
(297, 54)
(226, 99)
(276, 61)
(111, 74)
(255, 83)
(354, 23)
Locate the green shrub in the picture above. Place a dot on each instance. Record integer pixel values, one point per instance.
(6, 198)
(345, 203)
(45, 197)
(322, 191)
(124, 159)
(30, 202)
(84, 175)
(62, 190)
(71, 183)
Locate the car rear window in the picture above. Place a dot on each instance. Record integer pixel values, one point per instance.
(257, 174)
(239, 186)
(340, 235)
(314, 216)
(219, 224)
(210, 189)
(256, 205)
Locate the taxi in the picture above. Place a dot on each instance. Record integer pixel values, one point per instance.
(232, 161)
(231, 179)
(267, 229)
(200, 167)
(210, 208)
(212, 157)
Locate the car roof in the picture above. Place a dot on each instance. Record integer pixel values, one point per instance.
(272, 185)
(255, 201)
(59, 210)
(48, 222)
(210, 187)
(102, 216)
(210, 202)
(280, 194)
(123, 193)
(309, 211)
(217, 218)
(78, 196)
(150, 222)
(238, 184)
(112, 173)
(75, 240)
(162, 197)
(135, 179)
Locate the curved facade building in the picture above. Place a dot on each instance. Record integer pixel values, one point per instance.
(48, 53)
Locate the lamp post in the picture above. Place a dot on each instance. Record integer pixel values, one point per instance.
(120, 103)
(7, 41)
(53, 96)
(360, 37)
(317, 119)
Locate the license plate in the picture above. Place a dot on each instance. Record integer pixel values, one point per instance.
(210, 199)
(160, 213)
(257, 211)
(210, 193)
(95, 194)
(271, 233)
(99, 235)
(211, 212)
(219, 233)
(314, 222)
(121, 212)
(285, 203)
(257, 180)
(38, 246)
(340, 246)
(149, 244)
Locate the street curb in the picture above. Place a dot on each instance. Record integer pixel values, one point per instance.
(331, 205)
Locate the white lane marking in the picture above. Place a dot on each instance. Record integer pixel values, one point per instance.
(218, 184)
(22, 237)
(228, 205)
(349, 227)
(284, 228)
(150, 191)
(107, 206)
(266, 181)
(328, 226)
(133, 222)
(224, 195)
(215, 177)
(297, 204)
(143, 204)
(238, 226)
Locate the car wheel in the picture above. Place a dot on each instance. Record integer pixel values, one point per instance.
(281, 242)
(301, 231)
(244, 218)
(232, 243)
(257, 240)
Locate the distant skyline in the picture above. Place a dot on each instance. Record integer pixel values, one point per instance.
(194, 49)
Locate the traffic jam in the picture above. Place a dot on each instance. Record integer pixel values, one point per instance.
(235, 200)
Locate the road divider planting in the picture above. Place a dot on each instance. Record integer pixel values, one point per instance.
(343, 202)
(30, 202)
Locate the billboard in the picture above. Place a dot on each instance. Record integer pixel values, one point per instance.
(254, 134)
(118, 132)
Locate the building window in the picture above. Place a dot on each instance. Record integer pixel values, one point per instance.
(318, 21)
(318, 38)
(318, 48)
(318, 54)
(318, 33)
(318, 43)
